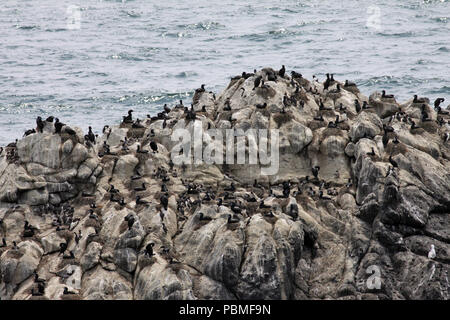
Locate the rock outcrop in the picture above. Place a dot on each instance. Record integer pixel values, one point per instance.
(359, 197)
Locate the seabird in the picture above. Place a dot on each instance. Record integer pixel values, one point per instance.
(327, 82)
(331, 124)
(28, 230)
(282, 71)
(164, 200)
(139, 150)
(268, 214)
(154, 146)
(227, 106)
(246, 75)
(257, 82)
(271, 76)
(349, 84)
(91, 135)
(235, 208)
(62, 248)
(419, 100)
(66, 291)
(387, 128)
(3, 243)
(393, 162)
(321, 196)
(262, 205)
(389, 171)
(315, 171)
(386, 96)
(321, 105)
(232, 219)
(36, 278)
(72, 255)
(28, 132)
(77, 237)
(40, 290)
(385, 139)
(70, 131)
(40, 124)
(337, 90)
(414, 126)
(180, 105)
(437, 102)
(58, 126)
(201, 89)
(149, 249)
(357, 106)
(129, 117)
(446, 136)
(231, 188)
(112, 189)
(365, 105)
(202, 217)
(130, 221)
(372, 153)
(295, 74)
(137, 124)
(140, 201)
(319, 118)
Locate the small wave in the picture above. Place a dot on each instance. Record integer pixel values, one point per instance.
(176, 35)
(186, 74)
(67, 56)
(273, 34)
(405, 34)
(279, 31)
(132, 14)
(443, 49)
(391, 81)
(442, 90)
(32, 27)
(141, 98)
(422, 61)
(205, 25)
(124, 56)
(56, 30)
(441, 19)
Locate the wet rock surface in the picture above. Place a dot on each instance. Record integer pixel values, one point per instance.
(360, 197)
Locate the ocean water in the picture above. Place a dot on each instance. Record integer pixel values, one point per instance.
(88, 62)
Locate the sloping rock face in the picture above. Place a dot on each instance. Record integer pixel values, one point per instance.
(357, 201)
(51, 168)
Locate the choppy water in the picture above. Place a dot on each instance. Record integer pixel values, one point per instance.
(142, 54)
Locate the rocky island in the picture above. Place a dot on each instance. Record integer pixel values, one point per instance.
(358, 207)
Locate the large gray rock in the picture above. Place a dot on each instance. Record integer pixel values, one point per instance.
(361, 229)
